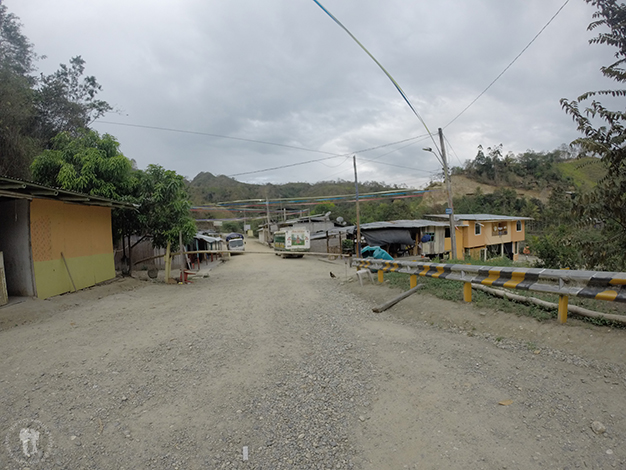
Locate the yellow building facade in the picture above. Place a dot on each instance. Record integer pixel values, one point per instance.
(480, 236)
(81, 234)
(53, 240)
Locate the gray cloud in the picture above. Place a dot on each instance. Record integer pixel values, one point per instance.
(283, 72)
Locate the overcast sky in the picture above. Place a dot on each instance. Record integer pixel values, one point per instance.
(281, 71)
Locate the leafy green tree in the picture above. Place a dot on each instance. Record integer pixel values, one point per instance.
(86, 163)
(16, 97)
(604, 135)
(66, 101)
(164, 207)
(93, 164)
(231, 226)
(33, 110)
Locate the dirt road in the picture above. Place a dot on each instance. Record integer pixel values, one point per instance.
(274, 361)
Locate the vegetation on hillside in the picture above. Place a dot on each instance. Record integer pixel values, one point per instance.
(45, 136)
(530, 170)
(35, 108)
(207, 188)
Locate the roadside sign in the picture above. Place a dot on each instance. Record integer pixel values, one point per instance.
(448, 211)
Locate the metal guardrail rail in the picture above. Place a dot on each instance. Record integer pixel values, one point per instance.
(598, 285)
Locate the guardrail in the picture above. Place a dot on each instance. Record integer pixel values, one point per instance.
(598, 285)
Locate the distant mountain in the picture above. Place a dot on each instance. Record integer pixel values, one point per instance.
(207, 188)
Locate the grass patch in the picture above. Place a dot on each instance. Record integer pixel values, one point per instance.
(584, 172)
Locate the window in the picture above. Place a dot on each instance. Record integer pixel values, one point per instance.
(499, 228)
(428, 237)
(477, 228)
(518, 227)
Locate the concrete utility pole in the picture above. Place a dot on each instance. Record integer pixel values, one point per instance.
(358, 218)
(450, 206)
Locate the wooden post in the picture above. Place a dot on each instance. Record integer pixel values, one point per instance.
(413, 281)
(327, 243)
(467, 291)
(381, 276)
(68, 271)
(4, 294)
(130, 257)
(168, 262)
(563, 300)
(358, 217)
(392, 302)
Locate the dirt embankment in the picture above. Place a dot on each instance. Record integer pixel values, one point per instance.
(462, 186)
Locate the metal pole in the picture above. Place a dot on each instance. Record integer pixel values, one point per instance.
(267, 208)
(358, 217)
(450, 206)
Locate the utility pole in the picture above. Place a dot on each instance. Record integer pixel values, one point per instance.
(450, 206)
(267, 208)
(358, 218)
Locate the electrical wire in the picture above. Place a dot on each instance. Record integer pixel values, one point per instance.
(395, 83)
(332, 155)
(453, 151)
(508, 66)
(220, 136)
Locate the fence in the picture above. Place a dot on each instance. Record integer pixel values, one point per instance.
(598, 285)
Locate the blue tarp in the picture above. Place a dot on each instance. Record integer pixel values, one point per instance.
(375, 252)
(232, 235)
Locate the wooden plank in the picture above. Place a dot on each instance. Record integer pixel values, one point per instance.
(573, 309)
(4, 295)
(68, 271)
(397, 299)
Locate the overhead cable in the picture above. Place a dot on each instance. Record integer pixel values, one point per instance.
(395, 83)
(508, 66)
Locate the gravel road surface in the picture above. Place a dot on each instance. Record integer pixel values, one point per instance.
(271, 363)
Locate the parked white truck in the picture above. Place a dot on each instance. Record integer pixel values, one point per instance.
(292, 243)
(235, 243)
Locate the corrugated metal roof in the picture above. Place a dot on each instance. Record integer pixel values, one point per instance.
(403, 224)
(481, 217)
(13, 188)
(208, 239)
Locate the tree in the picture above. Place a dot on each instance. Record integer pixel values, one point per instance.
(604, 135)
(33, 110)
(66, 101)
(93, 164)
(164, 207)
(16, 97)
(85, 163)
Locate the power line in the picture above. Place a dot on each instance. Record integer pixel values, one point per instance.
(508, 66)
(453, 151)
(220, 136)
(332, 155)
(395, 83)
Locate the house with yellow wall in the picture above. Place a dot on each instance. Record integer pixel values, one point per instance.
(484, 236)
(54, 241)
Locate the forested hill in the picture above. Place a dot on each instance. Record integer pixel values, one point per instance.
(207, 188)
(530, 173)
(531, 170)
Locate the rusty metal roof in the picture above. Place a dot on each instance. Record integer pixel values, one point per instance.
(13, 188)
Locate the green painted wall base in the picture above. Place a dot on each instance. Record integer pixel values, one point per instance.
(52, 278)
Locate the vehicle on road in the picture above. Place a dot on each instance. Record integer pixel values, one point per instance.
(235, 243)
(292, 243)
